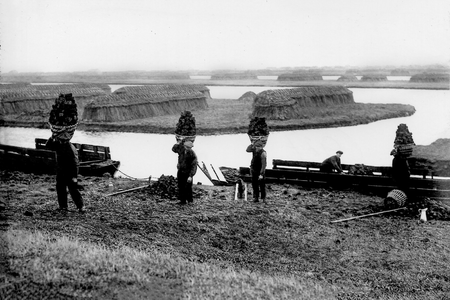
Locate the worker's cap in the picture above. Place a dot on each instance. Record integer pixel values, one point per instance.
(188, 144)
(340, 152)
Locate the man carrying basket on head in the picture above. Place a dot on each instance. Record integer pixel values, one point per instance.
(63, 122)
(185, 133)
(187, 167)
(258, 169)
(258, 132)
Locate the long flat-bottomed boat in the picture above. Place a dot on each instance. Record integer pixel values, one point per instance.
(375, 179)
(94, 160)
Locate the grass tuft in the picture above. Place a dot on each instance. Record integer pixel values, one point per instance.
(92, 270)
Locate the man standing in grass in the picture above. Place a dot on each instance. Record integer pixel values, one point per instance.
(187, 167)
(258, 170)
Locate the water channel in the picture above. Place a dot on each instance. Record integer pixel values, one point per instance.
(142, 155)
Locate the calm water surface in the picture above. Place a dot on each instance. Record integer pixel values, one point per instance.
(142, 155)
(401, 78)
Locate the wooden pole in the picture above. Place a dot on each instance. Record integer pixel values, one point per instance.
(245, 198)
(368, 215)
(214, 170)
(126, 191)
(204, 172)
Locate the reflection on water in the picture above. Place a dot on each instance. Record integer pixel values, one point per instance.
(142, 155)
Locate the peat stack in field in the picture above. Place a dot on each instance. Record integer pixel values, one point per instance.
(17, 99)
(374, 77)
(234, 76)
(348, 78)
(248, 97)
(286, 104)
(299, 77)
(138, 102)
(434, 157)
(430, 77)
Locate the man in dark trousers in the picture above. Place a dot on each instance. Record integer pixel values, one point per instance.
(332, 163)
(258, 170)
(187, 167)
(67, 175)
(400, 172)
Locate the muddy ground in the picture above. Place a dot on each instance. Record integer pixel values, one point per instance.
(291, 234)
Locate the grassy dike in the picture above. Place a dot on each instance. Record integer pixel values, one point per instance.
(226, 116)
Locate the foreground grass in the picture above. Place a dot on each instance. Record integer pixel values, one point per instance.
(285, 248)
(85, 269)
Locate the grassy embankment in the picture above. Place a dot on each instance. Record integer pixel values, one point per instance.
(232, 116)
(138, 245)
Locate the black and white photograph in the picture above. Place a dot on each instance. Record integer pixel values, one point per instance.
(240, 149)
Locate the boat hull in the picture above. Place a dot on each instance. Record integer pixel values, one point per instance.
(96, 160)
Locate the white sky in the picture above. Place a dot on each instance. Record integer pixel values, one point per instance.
(117, 35)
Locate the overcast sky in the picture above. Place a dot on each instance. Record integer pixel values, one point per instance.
(117, 35)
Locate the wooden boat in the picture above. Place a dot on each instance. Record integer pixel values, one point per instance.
(378, 180)
(214, 174)
(94, 160)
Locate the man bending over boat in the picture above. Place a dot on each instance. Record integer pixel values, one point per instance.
(332, 163)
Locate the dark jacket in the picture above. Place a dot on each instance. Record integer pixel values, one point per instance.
(187, 159)
(67, 159)
(332, 162)
(400, 170)
(259, 160)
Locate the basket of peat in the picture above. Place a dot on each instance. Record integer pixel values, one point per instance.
(63, 118)
(403, 142)
(185, 128)
(258, 130)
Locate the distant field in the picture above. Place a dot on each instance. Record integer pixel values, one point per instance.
(260, 82)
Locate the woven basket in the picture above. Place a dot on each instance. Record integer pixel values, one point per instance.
(262, 138)
(185, 138)
(395, 198)
(405, 150)
(63, 133)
